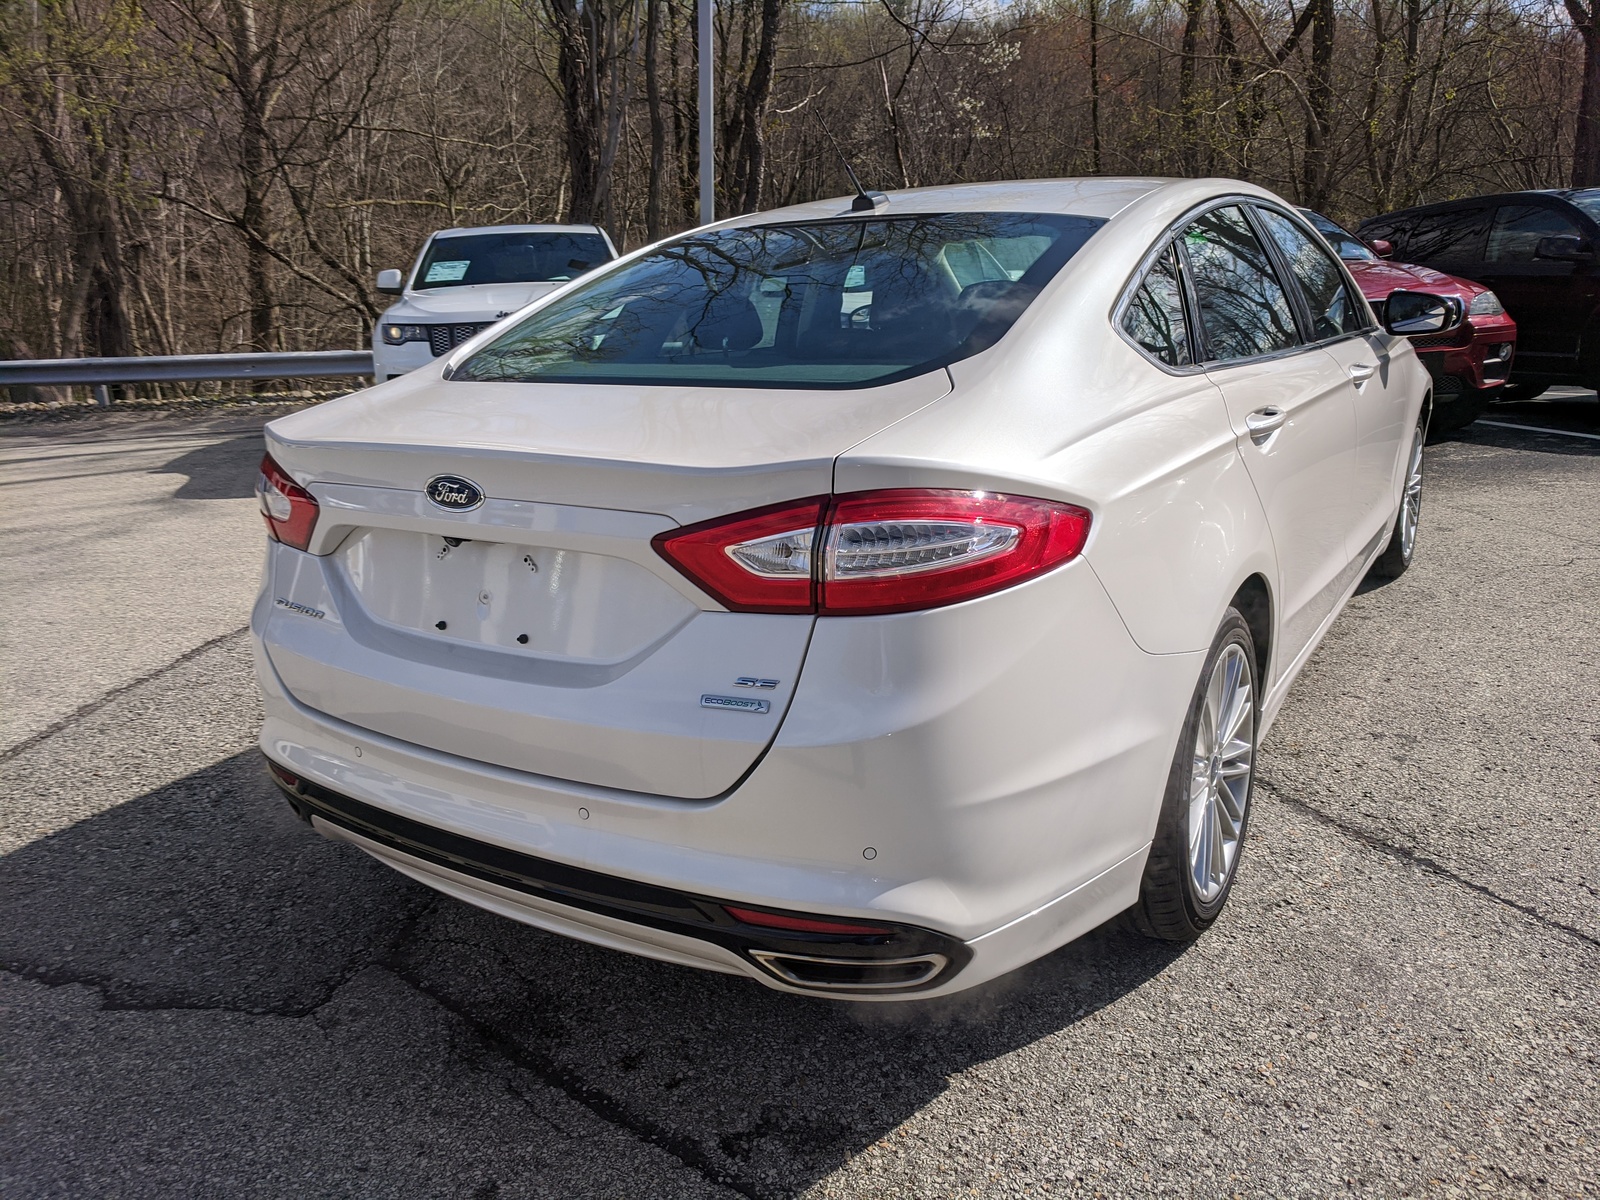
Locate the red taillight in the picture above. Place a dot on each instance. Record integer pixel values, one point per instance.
(767, 920)
(876, 552)
(290, 511)
(757, 561)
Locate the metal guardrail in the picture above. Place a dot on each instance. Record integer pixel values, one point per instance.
(184, 368)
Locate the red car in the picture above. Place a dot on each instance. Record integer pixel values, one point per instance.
(1470, 363)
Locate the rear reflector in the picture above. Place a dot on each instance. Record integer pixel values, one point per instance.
(284, 776)
(886, 551)
(768, 920)
(289, 510)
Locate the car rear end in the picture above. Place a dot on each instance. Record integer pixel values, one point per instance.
(627, 663)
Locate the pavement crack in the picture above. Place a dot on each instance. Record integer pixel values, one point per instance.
(1432, 865)
(122, 689)
(551, 1073)
(107, 988)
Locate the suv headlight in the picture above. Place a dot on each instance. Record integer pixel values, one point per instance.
(397, 335)
(1486, 304)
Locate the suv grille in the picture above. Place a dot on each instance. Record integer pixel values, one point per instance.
(444, 338)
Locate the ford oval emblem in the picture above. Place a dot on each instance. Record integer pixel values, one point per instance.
(454, 492)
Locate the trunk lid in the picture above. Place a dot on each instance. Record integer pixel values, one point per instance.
(539, 630)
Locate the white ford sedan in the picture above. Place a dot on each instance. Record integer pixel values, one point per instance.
(866, 597)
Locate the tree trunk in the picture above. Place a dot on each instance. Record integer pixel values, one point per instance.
(654, 223)
(1586, 146)
(1188, 104)
(750, 171)
(1316, 170)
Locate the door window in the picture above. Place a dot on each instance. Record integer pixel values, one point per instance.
(1447, 237)
(1334, 311)
(1518, 228)
(1244, 310)
(1155, 314)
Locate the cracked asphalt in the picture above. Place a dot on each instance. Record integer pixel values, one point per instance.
(199, 997)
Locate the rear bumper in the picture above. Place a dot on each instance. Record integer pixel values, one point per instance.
(977, 776)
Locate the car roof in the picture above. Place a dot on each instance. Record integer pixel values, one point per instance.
(1561, 195)
(470, 229)
(1092, 197)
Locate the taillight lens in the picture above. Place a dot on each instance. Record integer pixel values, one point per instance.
(290, 510)
(756, 561)
(876, 552)
(895, 551)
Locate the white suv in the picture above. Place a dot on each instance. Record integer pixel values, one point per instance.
(467, 279)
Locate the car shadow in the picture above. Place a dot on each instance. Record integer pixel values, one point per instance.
(207, 893)
(224, 470)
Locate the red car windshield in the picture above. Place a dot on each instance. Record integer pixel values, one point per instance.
(1345, 244)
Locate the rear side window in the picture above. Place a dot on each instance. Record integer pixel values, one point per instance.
(1452, 237)
(1518, 228)
(1244, 310)
(1154, 317)
(1334, 310)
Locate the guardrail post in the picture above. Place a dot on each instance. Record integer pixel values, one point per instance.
(102, 395)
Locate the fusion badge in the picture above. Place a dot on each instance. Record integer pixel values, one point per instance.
(735, 703)
(454, 492)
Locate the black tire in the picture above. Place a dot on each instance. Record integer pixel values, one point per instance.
(1170, 906)
(1454, 415)
(1513, 392)
(1396, 558)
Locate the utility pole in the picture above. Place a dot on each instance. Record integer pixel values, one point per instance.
(708, 147)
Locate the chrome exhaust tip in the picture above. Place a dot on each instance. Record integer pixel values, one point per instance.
(851, 974)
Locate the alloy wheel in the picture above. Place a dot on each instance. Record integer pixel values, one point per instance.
(1411, 500)
(1219, 782)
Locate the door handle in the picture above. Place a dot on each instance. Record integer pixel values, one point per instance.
(1265, 422)
(1361, 372)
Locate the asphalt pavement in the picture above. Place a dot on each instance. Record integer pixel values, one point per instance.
(199, 997)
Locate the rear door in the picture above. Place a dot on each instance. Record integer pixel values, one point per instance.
(1551, 300)
(1291, 409)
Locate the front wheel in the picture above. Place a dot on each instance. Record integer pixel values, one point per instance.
(1392, 563)
(1206, 807)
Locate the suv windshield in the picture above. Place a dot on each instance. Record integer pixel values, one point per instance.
(841, 303)
(1345, 244)
(466, 259)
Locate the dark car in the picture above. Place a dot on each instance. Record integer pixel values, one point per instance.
(1538, 251)
(1470, 362)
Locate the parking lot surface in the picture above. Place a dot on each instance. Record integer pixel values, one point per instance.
(198, 996)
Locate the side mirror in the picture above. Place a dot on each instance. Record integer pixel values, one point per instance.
(1382, 247)
(1412, 313)
(390, 282)
(1564, 248)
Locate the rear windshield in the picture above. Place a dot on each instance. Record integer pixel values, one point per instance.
(509, 258)
(843, 303)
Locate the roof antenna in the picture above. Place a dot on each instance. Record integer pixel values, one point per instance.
(865, 201)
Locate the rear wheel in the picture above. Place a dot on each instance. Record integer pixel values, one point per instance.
(1392, 563)
(1206, 808)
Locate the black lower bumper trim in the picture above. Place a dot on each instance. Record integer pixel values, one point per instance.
(684, 913)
